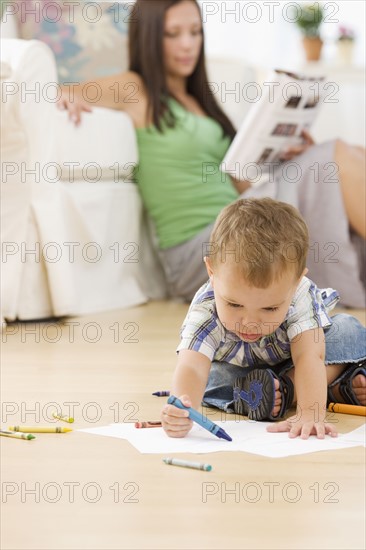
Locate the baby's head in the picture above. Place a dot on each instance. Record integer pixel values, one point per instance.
(257, 257)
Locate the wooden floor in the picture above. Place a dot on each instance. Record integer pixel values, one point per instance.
(78, 491)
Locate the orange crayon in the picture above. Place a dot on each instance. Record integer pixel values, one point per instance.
(149, 424)
(343, 408)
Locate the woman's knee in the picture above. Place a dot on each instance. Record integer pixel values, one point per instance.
(347, 154)
(342, 149)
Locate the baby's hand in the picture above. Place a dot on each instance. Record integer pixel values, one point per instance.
(304, 425)
(175, 421)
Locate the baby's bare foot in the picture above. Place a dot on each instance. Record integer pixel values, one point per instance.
(359, 389)
(278, 398)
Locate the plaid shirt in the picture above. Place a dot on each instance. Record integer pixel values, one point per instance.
(202, 330)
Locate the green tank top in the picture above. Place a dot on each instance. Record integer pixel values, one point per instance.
(178, 175)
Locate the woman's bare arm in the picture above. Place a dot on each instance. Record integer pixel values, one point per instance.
(122, 92)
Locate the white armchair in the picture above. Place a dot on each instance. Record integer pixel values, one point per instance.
(74, 239)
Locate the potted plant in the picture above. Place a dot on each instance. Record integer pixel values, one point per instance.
(309, 18)
(345, 43)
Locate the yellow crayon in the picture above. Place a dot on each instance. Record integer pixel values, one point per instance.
(343, 408)
(63, 418)
(17, 435)
(38, 429)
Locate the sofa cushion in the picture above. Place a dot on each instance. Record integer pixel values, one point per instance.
(110, 156)
(88, 39)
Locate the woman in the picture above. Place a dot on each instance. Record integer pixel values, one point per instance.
(179, 127)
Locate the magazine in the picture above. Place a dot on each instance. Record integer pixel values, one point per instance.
(288, 105)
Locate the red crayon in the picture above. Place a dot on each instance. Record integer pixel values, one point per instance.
(148, 424)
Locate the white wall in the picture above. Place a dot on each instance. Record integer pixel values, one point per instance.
(261, 32)
(245, 31)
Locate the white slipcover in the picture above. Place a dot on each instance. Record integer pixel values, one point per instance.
(91, 248)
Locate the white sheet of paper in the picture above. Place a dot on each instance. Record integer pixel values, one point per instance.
(359, 435)
(248, 436)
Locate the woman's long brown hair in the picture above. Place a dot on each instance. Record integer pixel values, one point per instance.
(146, 32)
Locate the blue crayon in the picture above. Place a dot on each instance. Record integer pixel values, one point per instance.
(163, 393)
(200, 419)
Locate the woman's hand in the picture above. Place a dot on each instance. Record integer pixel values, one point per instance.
(292, 152)
(74, 107)
(175, 421)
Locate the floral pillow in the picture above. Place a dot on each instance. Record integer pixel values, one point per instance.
(88, 39)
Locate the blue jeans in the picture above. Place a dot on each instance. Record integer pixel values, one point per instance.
(345, 342)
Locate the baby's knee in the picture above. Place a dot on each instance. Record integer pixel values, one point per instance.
(346, 329)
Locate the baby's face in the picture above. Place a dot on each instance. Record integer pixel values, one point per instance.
(248, 311)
